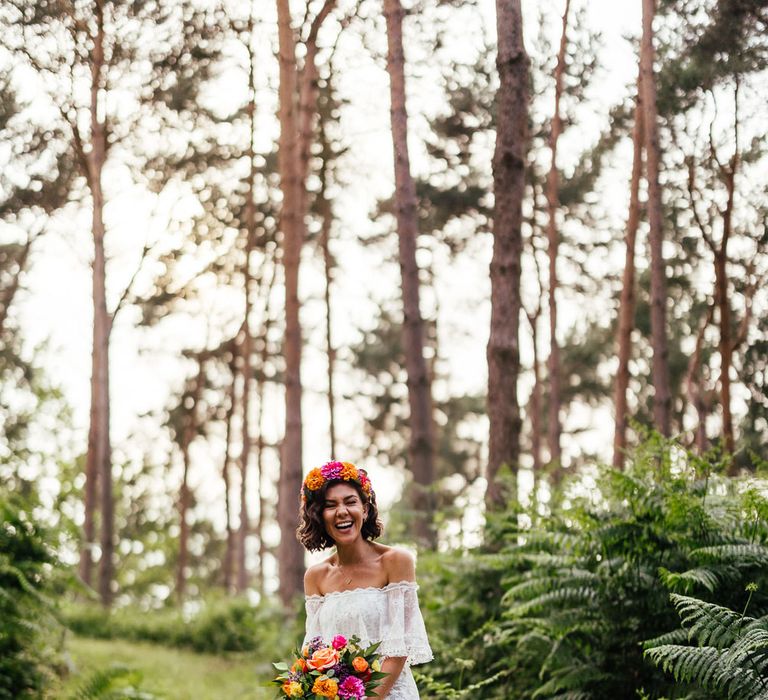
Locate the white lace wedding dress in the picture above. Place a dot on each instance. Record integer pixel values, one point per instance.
(389, 615)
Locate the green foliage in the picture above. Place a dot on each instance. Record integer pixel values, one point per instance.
(731, 656)
(221, 625)
(568, 600)
(27, 625)
(110, 684)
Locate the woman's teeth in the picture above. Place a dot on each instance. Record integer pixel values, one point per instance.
(343, 526)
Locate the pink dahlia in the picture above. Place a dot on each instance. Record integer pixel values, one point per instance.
(332, 470)
(352, 688)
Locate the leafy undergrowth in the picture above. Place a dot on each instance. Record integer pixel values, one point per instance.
(172, 674)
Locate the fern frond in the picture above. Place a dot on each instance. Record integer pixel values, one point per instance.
(707, 667)
(707, 623)
(543, 584)
(686, 581)
(677, 636)
(686, 664)
(739, 554)
(562, 596)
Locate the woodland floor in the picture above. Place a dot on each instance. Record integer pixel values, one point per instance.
(172, 674)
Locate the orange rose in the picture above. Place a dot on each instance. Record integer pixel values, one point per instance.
(323, 659)
(314, 479)
(305, 651)
(299, 665)
(327, 687)
(359, 664)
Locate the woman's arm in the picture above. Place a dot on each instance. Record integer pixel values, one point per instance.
(393, 667)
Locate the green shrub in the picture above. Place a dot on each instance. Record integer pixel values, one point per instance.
(27, 624)
(220, 625)
(561, 608)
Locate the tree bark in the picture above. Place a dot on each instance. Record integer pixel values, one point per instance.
(553, 237)
(229, 552)
(246, 346)
(260, 446)
(326, 215)
(98, 469)
(627, 300)
(291, 554)
(421, 446)
(190, 428)
(662, 400)
(509, 190)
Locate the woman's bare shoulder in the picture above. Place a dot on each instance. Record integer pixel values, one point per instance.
(314, 576)
(399, 564)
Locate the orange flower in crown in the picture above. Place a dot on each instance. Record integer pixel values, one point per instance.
(334, 471)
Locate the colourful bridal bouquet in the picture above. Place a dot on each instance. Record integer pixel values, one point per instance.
(341, 670)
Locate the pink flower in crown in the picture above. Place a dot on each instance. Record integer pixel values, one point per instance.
(331, 470)
(339, 642)
(352, 688)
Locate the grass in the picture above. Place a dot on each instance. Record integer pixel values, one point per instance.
(173, 674)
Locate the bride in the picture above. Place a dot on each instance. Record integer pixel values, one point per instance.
(364, 588)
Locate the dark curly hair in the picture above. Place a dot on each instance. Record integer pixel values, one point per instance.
(311, 533)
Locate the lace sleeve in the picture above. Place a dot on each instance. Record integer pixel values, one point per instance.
(404, 633)
(312, 628)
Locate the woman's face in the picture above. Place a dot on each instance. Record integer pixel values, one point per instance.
(343, 513)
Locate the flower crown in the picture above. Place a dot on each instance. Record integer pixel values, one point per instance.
(334, 471)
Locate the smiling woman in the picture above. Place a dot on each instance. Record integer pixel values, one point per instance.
(364, 589)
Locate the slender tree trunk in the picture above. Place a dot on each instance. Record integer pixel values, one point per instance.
(190, 428)
(694, 385)
(627, 301)
(509, 189)
(98, 458)
(326, 215)
(553, 237)
(246, 346)
(229, 552)
(421, 446)
(260, 390)
(721, 280)
(662, 401)
(291, 554)
(536, 398)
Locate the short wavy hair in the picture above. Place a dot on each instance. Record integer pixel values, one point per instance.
(311, 532)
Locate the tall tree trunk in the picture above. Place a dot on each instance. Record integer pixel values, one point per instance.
(246, 347)
(291, 554)
(553, 238)
(662, 399)
(509, 190)
(260, 446)
(326, 215)
(721, 281)
(694, 383)
(627, 300)
(229, 552)
(188, 435)
(421, 446)
(98, 458)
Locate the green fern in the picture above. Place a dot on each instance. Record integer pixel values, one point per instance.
(707, 623)
(732, 658)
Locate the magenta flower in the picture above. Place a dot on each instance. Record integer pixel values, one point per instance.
(331, 470)
(352, 688)
(339, 642)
